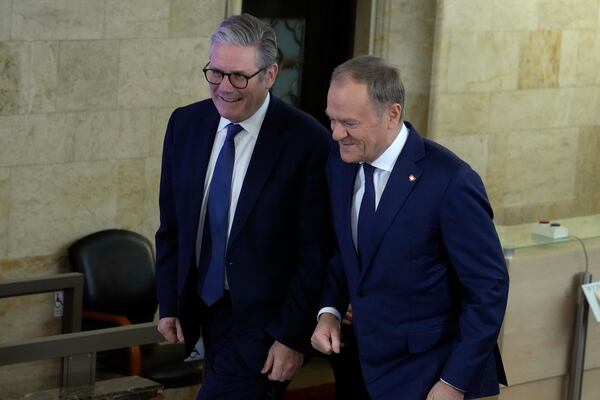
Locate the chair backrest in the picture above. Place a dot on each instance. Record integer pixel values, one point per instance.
(118, 269)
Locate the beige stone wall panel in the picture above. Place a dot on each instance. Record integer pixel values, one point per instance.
(151, 213)
(515, 15)
(14, 73)
(588, 161)
(532, 155)
(567, 14)
(127, 19)
(36, 139)
(87, 75)
(411, 42)
(5, 15)
(412, 56)
(582, 108)
(483, 61)
(466, 15)
(44, 77)
(596, 52)
(529, 109)
(19, 379)
(417, 110)
(57, 19)
(552, 210)
(578, 58)
(439, 68)
(192, 18)
(160, 119)
(104, 135)
(96, 135)
(460, 114)
(162, 73)
(410, 48)
(26, 267)
(495, 181)
(4, 204)
(539, 62)
(130, 194)
(59, 204)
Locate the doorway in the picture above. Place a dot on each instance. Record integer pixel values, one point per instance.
(314, 36)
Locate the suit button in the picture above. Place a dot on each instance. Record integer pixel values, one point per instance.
(360, 294)
(230, 264)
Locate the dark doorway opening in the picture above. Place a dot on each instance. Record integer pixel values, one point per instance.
(314, 37)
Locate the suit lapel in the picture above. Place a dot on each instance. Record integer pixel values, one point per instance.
(200, 150)
(342, 195)
(405, 175)
(264, 157)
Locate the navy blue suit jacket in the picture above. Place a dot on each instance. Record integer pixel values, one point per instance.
(431, 300)
(279, 241)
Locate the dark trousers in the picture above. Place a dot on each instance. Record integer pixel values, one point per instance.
(349, 383)
(230, 373)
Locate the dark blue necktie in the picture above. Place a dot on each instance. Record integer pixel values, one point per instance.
(216, 222)
(366, 215)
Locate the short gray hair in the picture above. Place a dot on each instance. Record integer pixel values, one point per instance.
(246, 30)
(383, 81)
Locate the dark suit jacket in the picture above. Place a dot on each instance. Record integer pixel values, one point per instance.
(430, 302)
(279, 241)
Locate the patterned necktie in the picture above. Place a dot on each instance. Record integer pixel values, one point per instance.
(366, 215)
(216, 222)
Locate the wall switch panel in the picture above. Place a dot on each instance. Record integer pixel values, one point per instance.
(550, 230)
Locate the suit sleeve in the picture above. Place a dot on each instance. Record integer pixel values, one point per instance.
(166, 236)
(296, 318)
(335, 290)
(476, 255)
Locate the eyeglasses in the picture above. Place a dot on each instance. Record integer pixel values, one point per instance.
(237, 80)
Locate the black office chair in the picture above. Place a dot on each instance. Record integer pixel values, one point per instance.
(120, 289)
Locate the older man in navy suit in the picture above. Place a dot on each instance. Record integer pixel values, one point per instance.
(243, 238)
(417, 253)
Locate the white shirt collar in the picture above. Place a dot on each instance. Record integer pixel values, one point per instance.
(387, 160)
(251, 125)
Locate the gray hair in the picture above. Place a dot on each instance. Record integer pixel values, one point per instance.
(383, 81)
(246, 30)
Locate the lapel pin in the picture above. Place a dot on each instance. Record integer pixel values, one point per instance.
(412, 178)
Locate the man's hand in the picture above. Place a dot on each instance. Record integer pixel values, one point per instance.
(282, 363)
(170, 329)
(348, 316)
(443, 391)
(326, 337)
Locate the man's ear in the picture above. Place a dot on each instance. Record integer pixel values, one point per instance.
(271, 75)
(394, 116)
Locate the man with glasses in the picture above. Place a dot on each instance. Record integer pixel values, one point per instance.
(244, 233)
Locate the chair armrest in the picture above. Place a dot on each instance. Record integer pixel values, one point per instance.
(135, 354)
(106, 317)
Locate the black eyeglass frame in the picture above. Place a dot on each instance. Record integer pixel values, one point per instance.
(228, 75)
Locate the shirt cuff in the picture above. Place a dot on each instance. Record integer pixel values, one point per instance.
(452, 386)
(330, 310)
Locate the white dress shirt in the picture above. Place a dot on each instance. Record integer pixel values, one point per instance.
(244, 141)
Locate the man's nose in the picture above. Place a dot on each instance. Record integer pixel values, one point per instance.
(226, 85)
(338, 133)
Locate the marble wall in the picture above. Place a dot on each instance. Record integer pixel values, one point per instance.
(404, 36)
(515, 90)
(86, 88)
